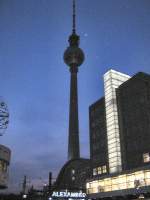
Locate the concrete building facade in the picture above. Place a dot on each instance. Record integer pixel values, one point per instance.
(98, 138)
(133, 99)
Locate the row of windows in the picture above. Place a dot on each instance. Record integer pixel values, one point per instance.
(114, 82)
(112, 127)
(114, 135)
(112, 102)
(115, 141)
(114, 158)
(126, 181)
(114, 117)
(118, 76)
(100, 170)
(97, 123)
(111, 107)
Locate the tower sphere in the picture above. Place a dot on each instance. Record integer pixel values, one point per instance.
(73, 56)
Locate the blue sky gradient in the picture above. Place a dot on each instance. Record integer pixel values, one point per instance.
(35, 82)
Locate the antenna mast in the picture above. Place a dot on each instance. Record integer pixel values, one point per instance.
(74, 17)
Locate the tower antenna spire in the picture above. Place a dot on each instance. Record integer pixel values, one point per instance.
(74, 17)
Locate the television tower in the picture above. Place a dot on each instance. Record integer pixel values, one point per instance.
(73, 57)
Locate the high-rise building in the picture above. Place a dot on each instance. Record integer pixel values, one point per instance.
(127, 108)
(133, 99)
(98, 137)
(112, 80)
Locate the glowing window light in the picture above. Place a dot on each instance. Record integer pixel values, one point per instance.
(113, 80)
(125, 181)
(99, 170)
(146, 157)
(104, 169)
(94, 171)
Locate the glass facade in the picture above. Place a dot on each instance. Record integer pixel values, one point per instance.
(124, 181)
(113, 80)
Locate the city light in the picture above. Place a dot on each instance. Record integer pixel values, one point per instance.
(120, 182)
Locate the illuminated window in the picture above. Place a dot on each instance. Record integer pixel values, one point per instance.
(113, 80)
(100, 188)
(73, 171)
(146, 157)
(4, 167)
(133, 180)
(99, 170)
(94, 171)
(104, 169)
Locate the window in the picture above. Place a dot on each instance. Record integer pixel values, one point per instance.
(3, 166)
(99, 170)
(146, 157)
(104, 169)
(94, 171)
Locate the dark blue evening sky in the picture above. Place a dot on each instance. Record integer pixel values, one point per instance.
(35, 81)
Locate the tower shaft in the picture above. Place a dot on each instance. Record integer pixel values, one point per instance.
(73, 142)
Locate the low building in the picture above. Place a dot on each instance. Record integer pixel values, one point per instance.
(4, 165)
(73, 175)
(131, 182)
(71, 180)
(133, 98)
